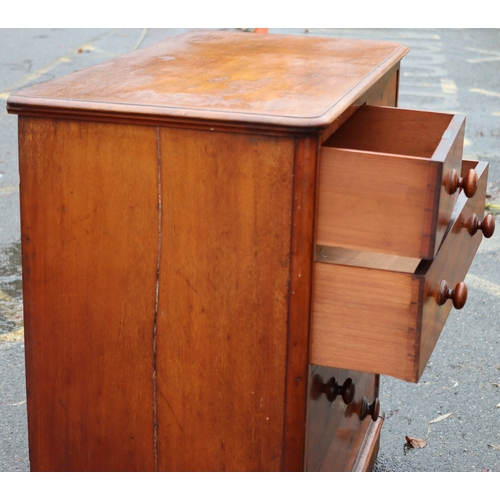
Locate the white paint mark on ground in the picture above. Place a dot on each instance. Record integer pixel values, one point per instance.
(448, 86)
(489, 55)
(474, 281)
(6, 191)
(485, 92)
(30, 77)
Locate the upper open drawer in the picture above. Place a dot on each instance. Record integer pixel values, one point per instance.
(389, 179)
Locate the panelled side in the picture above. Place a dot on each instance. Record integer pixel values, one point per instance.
(222, 328)
(89, 224)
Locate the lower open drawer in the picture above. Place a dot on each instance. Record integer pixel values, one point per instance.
(383, 314)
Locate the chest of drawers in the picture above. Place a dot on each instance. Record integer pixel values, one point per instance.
(189, 236)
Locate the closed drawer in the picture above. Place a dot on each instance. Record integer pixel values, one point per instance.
(338, 431)
(389, 179)
(383, 314)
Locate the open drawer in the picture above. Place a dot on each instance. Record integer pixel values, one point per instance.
(383, 314)
(389, 179)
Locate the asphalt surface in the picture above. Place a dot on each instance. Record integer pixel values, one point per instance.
(447, 70)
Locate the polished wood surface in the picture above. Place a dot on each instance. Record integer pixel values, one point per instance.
(382, 93)
(89, 219)
(334, 429)
(451, 263)
(299, 316)
(285, 81)
(388, 321)
(223, 300)
(487, 225)
(382, 181)
(191, 168)
(457, 295)
(368, 449)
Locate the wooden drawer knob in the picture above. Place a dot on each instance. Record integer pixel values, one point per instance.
(487, 226)
(368, 408)
(346, 390)
(457, 295)
(467, 183)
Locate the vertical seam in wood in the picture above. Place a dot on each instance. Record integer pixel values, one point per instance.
(155, 413)
(290, 292)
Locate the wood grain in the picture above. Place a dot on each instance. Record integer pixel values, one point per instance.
(382, 93)
(451, 263)
(326, 437)
(381, 181)
(168, 218)
(373, 260)
(278, 80)
(368, 449)
(335, 431)
(393, 131)
(89, 247)
(299, 318)
(383, 321)
(365, 319)
(222, 327)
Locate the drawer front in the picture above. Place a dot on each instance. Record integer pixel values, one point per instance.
(389, 179)
(338, 433)
(382, 318)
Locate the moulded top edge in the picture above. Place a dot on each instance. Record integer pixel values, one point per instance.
(278, 80)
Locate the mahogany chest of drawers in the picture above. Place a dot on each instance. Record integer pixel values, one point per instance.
(203, 289)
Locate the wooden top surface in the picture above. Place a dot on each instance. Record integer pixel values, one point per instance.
(276, 80)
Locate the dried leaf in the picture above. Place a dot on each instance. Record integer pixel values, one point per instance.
(494, 446)
(412, 442)
(441, 417)
(416, 442)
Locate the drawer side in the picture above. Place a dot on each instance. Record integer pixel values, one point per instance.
(365, 319)
(381, 203)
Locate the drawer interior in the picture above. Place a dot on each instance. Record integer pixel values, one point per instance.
(385, 181)
(393, 131)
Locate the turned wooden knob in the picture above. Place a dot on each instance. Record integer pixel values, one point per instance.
(487, 226)
(368, 408)
(467, 183)
(346, 390)
(457, 295)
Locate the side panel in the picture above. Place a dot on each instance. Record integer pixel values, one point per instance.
(89, 239)
(222, 327)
